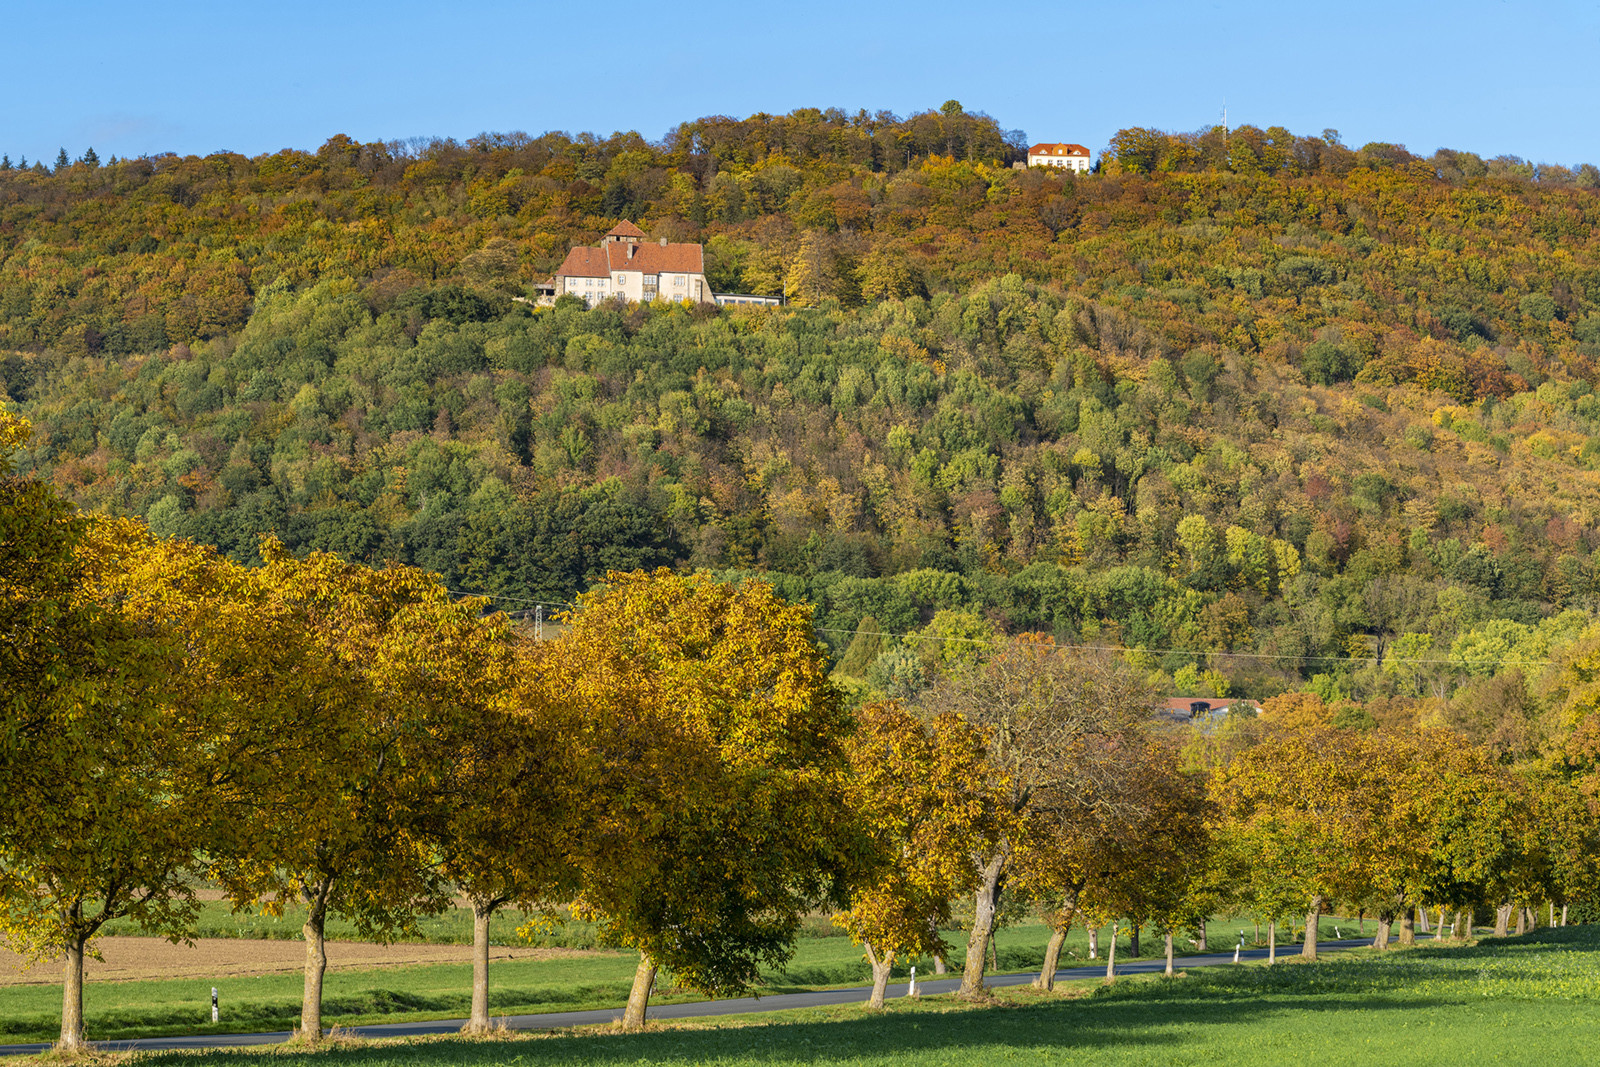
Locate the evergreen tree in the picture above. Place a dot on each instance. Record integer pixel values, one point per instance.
(90, 158)
(62, 160)
(5, 162)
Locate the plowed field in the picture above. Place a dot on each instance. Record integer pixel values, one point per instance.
(135, 958)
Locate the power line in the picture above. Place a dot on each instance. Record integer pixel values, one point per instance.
(990, 642)
(513, 599)
(1122, 649)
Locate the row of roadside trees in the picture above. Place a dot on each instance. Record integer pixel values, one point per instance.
(676, 767)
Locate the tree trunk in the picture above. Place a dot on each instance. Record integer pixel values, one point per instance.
(1052, 958)
(1423, 915)
(986, 904)
(1309, 949)
(1462, 929)
(316, 960)
(1133, 939)
(1440, 927)
(482, 912)
(881, 966)
(1111, 956)
(1380, 940)
(1408, 927)
(1200, 939)
(1563, 915)
(1272, 942)
(1502, 920)
(72, 996)
(639, 997)
(939, 966)
(1169, 950)
(1094, 942)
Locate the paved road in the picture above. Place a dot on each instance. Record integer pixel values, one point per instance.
(699, 1009)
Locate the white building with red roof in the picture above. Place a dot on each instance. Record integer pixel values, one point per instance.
(627, 265)
(1072, 157)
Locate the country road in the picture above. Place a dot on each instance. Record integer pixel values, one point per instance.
(699, 1009)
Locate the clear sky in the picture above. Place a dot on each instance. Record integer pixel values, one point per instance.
(128, 79)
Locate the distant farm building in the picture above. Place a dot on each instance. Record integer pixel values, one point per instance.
(1205, 711)
(628, 266)
(1072, 157)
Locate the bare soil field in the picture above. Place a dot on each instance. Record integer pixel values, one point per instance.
(138, 958)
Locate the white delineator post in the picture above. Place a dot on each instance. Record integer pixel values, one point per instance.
(213, 1003)
(911, 990)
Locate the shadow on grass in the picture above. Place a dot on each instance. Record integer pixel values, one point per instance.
(1166, 1014)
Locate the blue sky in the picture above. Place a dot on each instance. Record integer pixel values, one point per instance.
(1488, 77)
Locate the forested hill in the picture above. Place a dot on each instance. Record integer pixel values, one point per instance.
(1261, 394)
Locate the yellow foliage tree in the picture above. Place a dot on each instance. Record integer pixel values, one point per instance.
(106, 807)
(712, 731)
(928, 803)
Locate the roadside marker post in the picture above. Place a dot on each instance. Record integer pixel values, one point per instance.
(911, 990)
(213, 1003)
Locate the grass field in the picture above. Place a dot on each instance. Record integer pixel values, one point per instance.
(1529, 1000)
(597, 979)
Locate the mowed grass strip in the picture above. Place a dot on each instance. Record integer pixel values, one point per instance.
(597, 979)
(1529, 1000)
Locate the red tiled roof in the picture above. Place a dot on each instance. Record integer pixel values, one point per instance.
(648, 257)
(655, 258)
(625, 229)
(1058, 150)
(584, 263)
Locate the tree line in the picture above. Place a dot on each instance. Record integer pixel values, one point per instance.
(677, 766)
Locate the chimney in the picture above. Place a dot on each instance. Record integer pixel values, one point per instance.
(663, 242)
(632, 248)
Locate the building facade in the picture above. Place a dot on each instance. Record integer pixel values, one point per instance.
(627, 265)
(1072, 157)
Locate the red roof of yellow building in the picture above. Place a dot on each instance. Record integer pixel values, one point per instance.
(1058, 150)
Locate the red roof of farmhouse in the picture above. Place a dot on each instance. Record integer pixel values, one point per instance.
(648, 257)
(584, 263)
(1058, 150)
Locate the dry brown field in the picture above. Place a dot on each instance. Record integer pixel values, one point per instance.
(138, 958)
